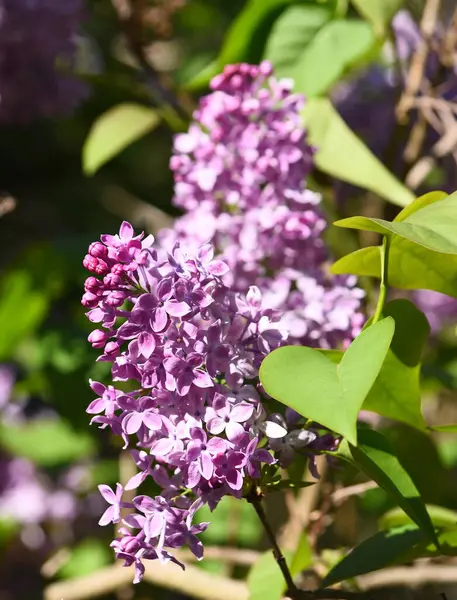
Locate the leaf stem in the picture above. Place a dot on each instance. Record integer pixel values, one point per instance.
(384, 279)
(255, 498)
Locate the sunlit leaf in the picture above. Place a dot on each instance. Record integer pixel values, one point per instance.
(378, 12)
(411, 267)
(432, 227)
(342, 154)
(115, 130)
(374, 553)
(376, 457)
(334, 48)
(265, 580)
(291, 35)
(86, 557)
(440, 516)
(330, 394)
(46, 442)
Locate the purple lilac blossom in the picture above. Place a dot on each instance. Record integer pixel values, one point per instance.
(35, 36)
(440, 310)
(191, 349)
(240, 175)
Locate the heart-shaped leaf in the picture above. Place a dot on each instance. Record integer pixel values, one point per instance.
(374, 553)
(317, 388)
(376, 457)
(396, 392)
(433, 226)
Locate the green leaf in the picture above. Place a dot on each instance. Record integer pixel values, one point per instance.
(411, 267)
(374, 553)
(419, 203)
(46, 442)
(396, 392)
(291, 35)
(440, 516)
(378, 12)
(22, 309)
(229, 509)
(330, 394)
(251, 26)
(375, 456)
(115, 130)
(432, 227)
(335, 48)
(86, 557)
(450, 428)
(303, 556)
(265, 580)
(342, 154)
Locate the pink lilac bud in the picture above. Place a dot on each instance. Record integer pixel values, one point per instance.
(241, 176)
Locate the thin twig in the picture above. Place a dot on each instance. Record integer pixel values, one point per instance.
(255, 498)
(344, 493)
(418, 62)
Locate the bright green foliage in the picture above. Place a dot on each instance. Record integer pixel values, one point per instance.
(440, 516)
(374, 553)
(88, 556)
(265, 580)
(343, 155)
(46, 442)
(451, 428)
(315, 51)
(411, 266)
(432, 227)
(245, 525)
(252, 22)
(115, 130)
(396, 391)
(378, 12)
(375, 456)
(330, 394)
(292, 33)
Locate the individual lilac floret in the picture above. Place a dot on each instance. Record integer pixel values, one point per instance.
(35, 36)
(190, 348)
(241, 176)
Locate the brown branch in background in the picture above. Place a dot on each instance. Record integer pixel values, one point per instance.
(301, 507)
(416, 70)
(193, 581)
(130, 15)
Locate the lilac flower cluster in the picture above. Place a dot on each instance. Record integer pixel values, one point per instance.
(240, 174)
(192, 348)
(34, 36)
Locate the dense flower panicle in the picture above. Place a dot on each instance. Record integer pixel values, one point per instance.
(34, 36)
(192, 348)
(240, 174)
